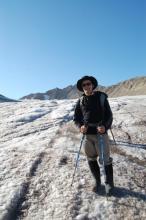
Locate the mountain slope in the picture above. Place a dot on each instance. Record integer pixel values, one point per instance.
(135, 86)
(5, 99)
(69, 92)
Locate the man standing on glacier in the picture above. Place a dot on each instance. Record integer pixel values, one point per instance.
(93, 116)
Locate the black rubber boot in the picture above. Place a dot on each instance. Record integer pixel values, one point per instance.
(109, 177)
(95, 170)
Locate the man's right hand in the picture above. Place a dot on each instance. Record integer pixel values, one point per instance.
(83, 129)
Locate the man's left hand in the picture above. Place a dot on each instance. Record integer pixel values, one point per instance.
(101, 129)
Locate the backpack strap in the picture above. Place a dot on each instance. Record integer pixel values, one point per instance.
(102, 100)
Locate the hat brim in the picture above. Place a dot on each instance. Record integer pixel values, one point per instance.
(90, 78)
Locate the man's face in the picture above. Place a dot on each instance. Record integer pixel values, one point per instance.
(87, 86)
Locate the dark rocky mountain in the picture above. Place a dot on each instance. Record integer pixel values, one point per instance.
(5, 99)
(134, 86)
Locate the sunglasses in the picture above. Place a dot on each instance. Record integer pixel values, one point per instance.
(86, 84)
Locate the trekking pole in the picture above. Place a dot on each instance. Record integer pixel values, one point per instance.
(102, 156)
(77, 158)
(103, 162)
(113, 136)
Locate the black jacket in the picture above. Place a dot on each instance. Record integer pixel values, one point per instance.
(90, 110)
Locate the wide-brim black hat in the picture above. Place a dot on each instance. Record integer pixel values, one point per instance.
(91, 78)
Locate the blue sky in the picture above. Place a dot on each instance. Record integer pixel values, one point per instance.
(46, 44)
